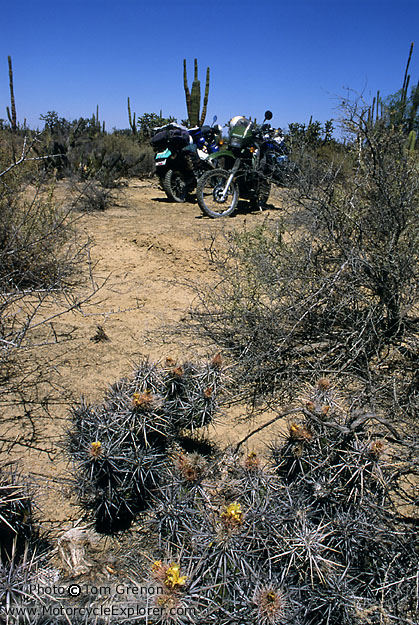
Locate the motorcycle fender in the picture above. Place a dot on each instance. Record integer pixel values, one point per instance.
(220, 154)
(161, 157)
(202, 155)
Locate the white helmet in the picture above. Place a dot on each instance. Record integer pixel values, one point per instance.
(233, 121)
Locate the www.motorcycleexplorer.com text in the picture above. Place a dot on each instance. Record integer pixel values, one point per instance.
(86, 601)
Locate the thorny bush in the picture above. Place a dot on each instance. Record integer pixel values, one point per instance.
(40, 279)
(333, 286)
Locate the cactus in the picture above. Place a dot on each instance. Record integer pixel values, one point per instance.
(97, 122)
(414, 108)
(409, 117)
(411, 141)
(16, 520)
(193, 96)
(131, 119)
(11, 113)
(119, 448)
(406, 80)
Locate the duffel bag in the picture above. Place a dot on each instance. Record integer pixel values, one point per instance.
(170, 135)
(160, 139)
(178, 137)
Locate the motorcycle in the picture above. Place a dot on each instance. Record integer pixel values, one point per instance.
(182, 156)
(255, 157)
(274, 161)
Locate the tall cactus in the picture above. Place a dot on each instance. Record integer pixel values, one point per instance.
(414, 108)
(406, 80)
(193, 97)
(11, 113)
(131, 119)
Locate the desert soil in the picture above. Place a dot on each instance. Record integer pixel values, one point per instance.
(144, 250)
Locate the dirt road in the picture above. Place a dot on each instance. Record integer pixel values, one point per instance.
(143, 248)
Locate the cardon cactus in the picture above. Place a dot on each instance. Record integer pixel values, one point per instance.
(11, 113)
(131, 119)
(193, 96)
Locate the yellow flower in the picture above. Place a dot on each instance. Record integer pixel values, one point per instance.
(376, 448)
(252, 461)
(173, 577)
(142, 400)
(95, 449)
(299, 433)
(271, 603)
(233, 513)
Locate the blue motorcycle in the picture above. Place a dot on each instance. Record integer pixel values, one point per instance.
(182, 156)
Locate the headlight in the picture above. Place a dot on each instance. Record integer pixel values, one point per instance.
(235, 142)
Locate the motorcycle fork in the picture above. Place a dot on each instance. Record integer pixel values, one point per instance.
(230, 179)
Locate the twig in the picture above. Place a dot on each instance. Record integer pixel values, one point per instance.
(24, 157)
(261, 427)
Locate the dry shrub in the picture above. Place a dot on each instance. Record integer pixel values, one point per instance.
(40, 279)
(333, 286)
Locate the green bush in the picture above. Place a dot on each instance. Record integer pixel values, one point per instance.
(109, 158)
(83, 149)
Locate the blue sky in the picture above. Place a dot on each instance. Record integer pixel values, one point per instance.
(295, 57)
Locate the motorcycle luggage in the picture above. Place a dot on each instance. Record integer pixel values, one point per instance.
(197, 136)
(176, 137)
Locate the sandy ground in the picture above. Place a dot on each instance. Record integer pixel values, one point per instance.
(144, 249)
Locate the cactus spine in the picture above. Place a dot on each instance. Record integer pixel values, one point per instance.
(11, 113)
(193, 96)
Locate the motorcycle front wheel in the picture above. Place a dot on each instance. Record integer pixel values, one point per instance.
(213, 198)
(174, 185)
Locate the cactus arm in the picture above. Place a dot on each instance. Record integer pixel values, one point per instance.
(406, 76)
(12, 113)
(204, 106)
(187, 92)
(411, 141)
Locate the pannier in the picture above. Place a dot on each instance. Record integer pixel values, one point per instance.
(176, 137)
